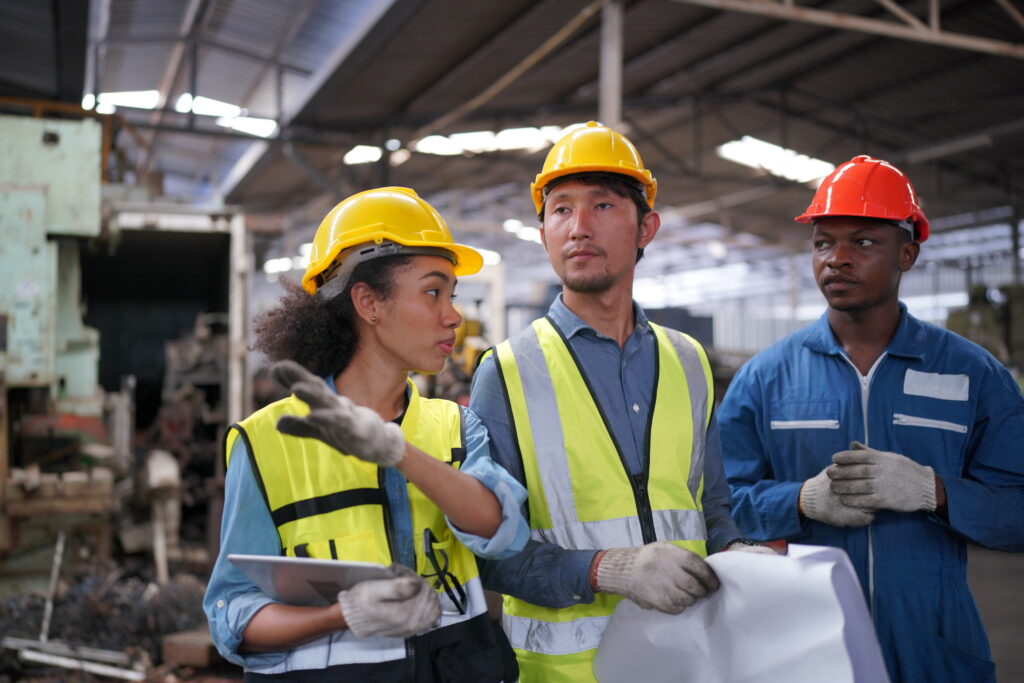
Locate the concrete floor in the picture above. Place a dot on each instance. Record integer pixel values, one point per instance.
(997, 581)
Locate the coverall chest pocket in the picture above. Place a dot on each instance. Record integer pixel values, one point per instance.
(806, 433)
(932, 431)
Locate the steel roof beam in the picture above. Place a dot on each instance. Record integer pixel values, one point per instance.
(382, 20)
(850, 22)
(666, 48)
(1014, 13)
(297, 20)
(208, 43)
(303, 163)
(474, 57)
(512, 75)
(190, 23)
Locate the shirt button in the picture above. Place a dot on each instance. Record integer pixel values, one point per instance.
(220, 603)
(636, 408)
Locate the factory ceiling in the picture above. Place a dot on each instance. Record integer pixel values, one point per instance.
(935, 87)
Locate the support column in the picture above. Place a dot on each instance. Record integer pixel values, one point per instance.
(609, 110)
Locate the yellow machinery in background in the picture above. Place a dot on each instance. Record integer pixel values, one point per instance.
(453, 382)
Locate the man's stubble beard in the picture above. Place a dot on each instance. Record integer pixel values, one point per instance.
(589, 284)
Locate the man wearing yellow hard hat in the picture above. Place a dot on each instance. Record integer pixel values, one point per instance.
(606, 418)
(357, 466)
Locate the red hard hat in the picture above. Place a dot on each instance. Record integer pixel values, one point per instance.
(870, 188)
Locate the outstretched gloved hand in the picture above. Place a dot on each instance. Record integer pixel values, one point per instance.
(398, 608)
(866, 478)
(337, 421)
(818, 501)
(657, 576)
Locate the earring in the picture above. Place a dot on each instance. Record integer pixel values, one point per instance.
(373, 319)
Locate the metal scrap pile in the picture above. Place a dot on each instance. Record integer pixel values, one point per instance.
(98, 606)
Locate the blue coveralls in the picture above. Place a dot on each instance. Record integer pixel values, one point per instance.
(933, 397)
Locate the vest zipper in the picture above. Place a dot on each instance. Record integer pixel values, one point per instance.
(638, 482)
(643, 506)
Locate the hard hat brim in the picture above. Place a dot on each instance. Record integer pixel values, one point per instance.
(465, 260)
(544, 179)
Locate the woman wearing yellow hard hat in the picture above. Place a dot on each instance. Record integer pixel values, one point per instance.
(357, 466)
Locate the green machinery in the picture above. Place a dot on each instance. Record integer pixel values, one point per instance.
(49, 203)
(81, 404)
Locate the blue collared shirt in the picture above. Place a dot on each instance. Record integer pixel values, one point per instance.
(231, 599)
(623, 380)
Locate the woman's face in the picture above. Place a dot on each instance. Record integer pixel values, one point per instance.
(417, 321)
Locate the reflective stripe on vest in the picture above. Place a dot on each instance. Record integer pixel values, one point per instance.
(342, 647)
(332, 506)
(581, 496)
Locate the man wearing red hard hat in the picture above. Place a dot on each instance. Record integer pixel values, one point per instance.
(872, 431)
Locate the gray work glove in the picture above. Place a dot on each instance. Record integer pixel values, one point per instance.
(818, 501)
(397, 608)
(866, 478)
(337, 421)
(657, 576)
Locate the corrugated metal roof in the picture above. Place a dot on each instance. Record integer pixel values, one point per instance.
(693, 78)
(27, 50)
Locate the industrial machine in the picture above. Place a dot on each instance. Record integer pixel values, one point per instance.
(119, 318)
(50, 402)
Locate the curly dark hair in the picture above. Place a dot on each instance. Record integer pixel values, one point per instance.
(321, 335)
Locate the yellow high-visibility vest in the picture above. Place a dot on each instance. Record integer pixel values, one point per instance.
(332, 506)
(581, 495)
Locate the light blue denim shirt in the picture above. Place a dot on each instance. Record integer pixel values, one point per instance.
(231, 599)
(622, 379)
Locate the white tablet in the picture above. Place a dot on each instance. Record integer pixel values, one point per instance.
(303, 580)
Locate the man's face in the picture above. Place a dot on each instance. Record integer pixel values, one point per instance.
(591, 235)
(858, 262)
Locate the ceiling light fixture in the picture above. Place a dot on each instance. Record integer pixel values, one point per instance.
(778, 161)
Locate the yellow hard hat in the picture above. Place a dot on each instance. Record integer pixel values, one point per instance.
(382, 222)
(593, 148)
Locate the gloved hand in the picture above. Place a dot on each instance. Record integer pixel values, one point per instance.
(745, 547)
(866, 478)
(337, 421)
(657, 576)
(398, 608)
(818, 501)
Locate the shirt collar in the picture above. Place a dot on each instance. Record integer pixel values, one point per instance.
(909, 340)
(571, 324)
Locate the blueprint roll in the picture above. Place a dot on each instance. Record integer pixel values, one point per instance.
(798, 618)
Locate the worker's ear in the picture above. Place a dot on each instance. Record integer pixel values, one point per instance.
(908, 253)
(649, 225)
(365, 302)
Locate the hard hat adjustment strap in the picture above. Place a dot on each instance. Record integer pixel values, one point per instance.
(353, 256)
